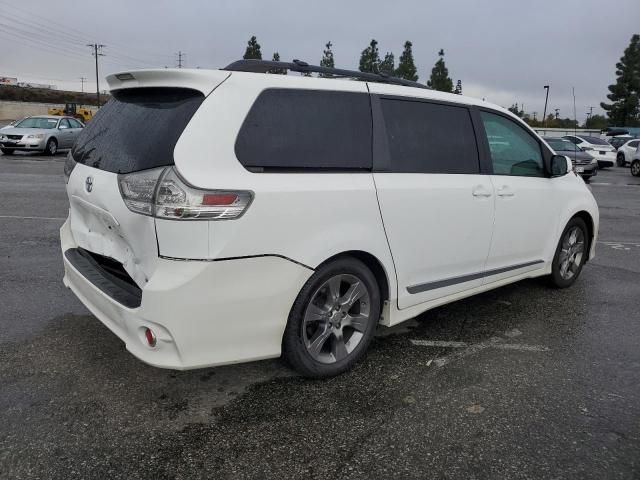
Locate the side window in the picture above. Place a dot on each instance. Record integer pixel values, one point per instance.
(301, 129)
(573, 140)
(429, 137)
(634, 144)
(64, 123)
(75, 123)
(514, 151)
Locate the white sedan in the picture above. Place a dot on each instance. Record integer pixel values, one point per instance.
(599, 149)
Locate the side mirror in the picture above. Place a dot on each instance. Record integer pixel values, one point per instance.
(560, 165)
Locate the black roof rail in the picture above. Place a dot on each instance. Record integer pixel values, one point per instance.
(263, 66)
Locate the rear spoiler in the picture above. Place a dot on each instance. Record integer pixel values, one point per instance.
(202, 80)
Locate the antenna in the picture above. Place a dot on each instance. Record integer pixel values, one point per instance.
(575, 119)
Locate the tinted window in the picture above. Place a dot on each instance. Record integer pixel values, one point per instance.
(64, 123)
(298, 129)
(74, 123)
(559, 144)
(137, 129)
(634, 144)
(514, 151)
(572, 139)
(430, 138)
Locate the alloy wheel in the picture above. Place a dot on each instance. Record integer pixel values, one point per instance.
(635, 169)
(571, 253)
(336, 318)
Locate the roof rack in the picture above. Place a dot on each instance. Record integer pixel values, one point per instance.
(263, 66)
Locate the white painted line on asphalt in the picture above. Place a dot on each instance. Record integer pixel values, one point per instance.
(31, 218)
(438, 343)
(605, 184)
(470, 349)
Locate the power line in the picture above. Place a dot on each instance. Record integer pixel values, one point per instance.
(82, 79)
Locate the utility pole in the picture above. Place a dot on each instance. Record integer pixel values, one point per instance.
(589, 113)
(544, 115)
(97, 52)
(557, 112)
(82, 79)
(534, 116)
(181, 55)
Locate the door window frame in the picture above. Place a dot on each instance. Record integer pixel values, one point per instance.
(483, 140)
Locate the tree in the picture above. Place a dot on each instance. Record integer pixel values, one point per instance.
(406, 68)
(388, 64)
(514, 109)
(253, 49)
(458, 90)
(440, 76)
(624, 109)
(277, 70)
(596, 121)
(327, 59)
(370, 58)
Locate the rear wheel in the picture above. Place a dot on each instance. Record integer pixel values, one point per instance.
(635, 168)
(620, 159)
(333, 319)
(52, 147)
(570, 254)
(7, 151)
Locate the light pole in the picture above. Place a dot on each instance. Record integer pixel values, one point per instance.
(544, 115)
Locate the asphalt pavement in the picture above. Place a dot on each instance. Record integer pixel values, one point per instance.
(521, 382)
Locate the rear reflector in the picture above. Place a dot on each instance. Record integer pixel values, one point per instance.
(150, 337)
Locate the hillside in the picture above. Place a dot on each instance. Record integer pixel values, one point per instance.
(43, 95)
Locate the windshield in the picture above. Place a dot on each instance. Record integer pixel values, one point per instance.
(559, 144)
(595, 141)
(37, 122)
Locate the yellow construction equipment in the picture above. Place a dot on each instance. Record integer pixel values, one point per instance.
(72, 110)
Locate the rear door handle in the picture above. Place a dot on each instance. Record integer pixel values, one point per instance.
(481, 191)
(505, 192)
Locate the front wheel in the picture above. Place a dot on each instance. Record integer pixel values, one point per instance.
(7, 151)
(635, 168)
(52, 147)
(620, 160)
(333, 319)
(571, 254)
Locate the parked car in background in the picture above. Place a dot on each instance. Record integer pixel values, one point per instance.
(212, 222)
(599, 149)
(626, 151)
(583, 164)
(635, 163)
(617, 142)
(44, 133)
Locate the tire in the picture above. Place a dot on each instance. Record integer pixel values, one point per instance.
(635, 168)
(7, 151)
(620, 160)
(51, 148)
(570, 257)
(327, 333)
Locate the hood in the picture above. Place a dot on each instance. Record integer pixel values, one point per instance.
(580, 157)
(26, 131)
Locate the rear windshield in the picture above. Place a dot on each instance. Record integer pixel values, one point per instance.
(595, 141)
(137, 129)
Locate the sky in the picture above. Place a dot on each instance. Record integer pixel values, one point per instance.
(503, 50)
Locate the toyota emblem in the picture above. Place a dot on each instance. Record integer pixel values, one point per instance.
(89, 183)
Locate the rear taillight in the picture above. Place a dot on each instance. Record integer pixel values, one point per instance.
(69, 165)
(163, 193)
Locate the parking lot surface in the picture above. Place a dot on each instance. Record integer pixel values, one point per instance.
(520, 382)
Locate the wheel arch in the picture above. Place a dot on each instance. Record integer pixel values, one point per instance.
(373, 264)
(588, 220)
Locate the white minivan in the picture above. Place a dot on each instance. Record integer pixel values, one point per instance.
(231, 215)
